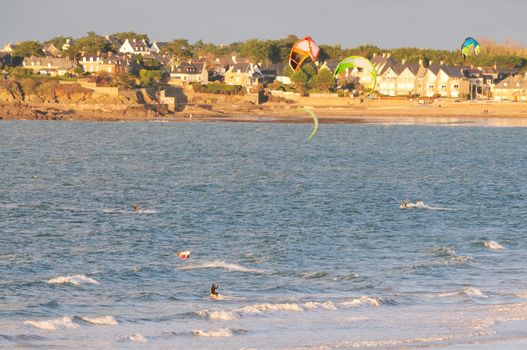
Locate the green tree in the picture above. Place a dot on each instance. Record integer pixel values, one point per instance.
(179, 48)
(92, 44)
(125, 81)
(122, 36)
(324, 80)
(300, 80)
(28, 48)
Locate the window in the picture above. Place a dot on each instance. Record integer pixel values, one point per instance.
(455, 87)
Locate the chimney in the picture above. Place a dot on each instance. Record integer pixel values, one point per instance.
(403, 61)
(441, 62)
(430, 62)
(234, 59)
(374, 54)
(383, 55)
(421, 62)
(388, 55)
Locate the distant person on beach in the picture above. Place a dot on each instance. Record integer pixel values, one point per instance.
(136, 207)
(213, 289)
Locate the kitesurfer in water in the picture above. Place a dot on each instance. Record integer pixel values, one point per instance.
(213, 290)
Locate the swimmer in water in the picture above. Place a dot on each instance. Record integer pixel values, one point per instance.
(136, 207)
(213, 290)
(403, 204)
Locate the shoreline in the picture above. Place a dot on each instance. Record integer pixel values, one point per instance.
(391, 112)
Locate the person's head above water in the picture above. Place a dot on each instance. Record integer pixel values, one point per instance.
(135, 207)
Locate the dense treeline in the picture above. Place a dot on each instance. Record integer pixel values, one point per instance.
(277, 50)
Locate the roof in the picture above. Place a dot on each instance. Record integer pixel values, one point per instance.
(274, 68)
(105, 59)
(51, 49)
(242, 67)
(189, 68)
(513, 82)
(55, 62)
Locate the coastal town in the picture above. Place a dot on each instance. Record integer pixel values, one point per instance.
(165, 77)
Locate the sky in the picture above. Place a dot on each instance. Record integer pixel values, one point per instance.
(439, 24)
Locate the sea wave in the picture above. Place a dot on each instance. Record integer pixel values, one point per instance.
(65, 322)
(468, 291)
(442, 252)
(218, 333)
(218, 264)
(493, 245)
(218, 315)
(266, 307)
(76, 280)
(364, 300)
(328, 305)
(232, 314)
(313, 275)
(100, 320)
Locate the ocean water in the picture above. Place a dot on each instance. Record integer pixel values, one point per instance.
(305, 239)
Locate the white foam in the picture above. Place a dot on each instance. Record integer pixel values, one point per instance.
(328, 305)
(101, 320)
(259, 308)
(54, 324)
(361, 301)
(493, 245)
(139, 338)
(220, 265)
(468, 291)
(218, 315)
(76, 280)
(218, 333)
(473, 292)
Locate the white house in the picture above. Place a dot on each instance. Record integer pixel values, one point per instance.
(135, 47)
(190, 73)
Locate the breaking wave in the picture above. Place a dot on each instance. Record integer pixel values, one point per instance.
(468, 291)
(218, 315)
(54, 324)
(227, 315)
(218, 333)
(76, 280)
(100, 320)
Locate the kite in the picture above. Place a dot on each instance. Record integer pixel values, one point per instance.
(183, 255)
(469, 46)
(369, 73)
(315, 123)
(301, 50)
